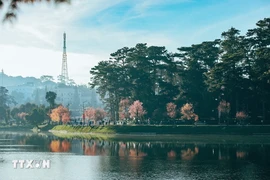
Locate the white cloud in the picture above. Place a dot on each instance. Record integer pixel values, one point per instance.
(32, 46)
(143, 5)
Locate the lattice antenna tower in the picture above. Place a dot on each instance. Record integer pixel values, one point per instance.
(64, 72)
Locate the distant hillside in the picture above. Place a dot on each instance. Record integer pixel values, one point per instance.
(19, 80)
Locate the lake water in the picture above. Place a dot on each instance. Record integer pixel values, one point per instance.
(81, 159)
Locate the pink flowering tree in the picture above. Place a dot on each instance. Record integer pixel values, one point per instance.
(136, 110)
(100, 114)
(123, 109)
(90, 113)
(241, 116)
(188, 112)
(171, 110)
(22, 116)
(224, 107)
(95, 114)
(65, 117)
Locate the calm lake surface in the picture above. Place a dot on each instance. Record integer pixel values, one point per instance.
(81, 159)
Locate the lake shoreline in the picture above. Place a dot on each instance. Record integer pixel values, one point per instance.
(176, 138)
(169, 130)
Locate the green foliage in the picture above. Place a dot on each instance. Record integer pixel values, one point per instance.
(50, 98)
(4, 98)
(258, 66)
(234, 69)
(20, 113)
(139, 73)
(194, 63)
(27, 108)
(2, 113)
(5, 101)
(36, 116)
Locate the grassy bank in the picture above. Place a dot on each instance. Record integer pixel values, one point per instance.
(148, 130)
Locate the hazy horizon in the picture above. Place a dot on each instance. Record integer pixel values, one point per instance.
(32, 45)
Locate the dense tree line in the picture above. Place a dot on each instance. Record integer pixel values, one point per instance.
(30, 113)
(234, 70)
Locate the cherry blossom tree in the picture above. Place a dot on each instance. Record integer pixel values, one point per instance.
(22, 115)
(65, 117)
(136, 110)
(95, 114)
(171, 110)
(224, 107)
(241, 116)
(188, 112)
(90, 113)
(100, 114)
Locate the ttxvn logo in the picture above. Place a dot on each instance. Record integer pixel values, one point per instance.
(32, 164)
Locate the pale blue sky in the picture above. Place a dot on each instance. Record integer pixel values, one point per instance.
(96, 28)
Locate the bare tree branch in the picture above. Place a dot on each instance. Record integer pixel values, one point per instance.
(13, 6)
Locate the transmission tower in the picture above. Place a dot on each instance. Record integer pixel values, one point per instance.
(64, 72)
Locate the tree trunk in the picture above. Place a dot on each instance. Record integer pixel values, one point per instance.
(236, 103)
(117, 101)
(263, 109)
(219, 115)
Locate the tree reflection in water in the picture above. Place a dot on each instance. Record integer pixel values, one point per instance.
(149, 160)
(172, 154)
(141, 150)
(241, 154)
(131, 150)
(189, 154)
(60, 146)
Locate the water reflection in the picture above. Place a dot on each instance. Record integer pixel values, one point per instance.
(138, 150)
(60, 146)
(189, 154)
(140, 160)
(241, 154)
